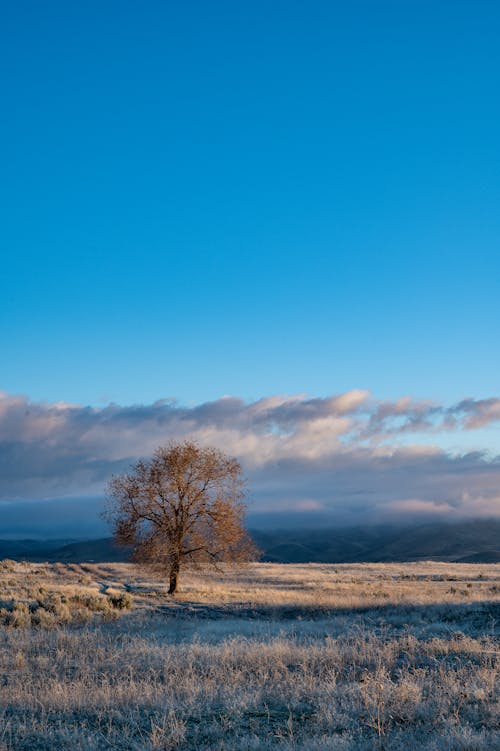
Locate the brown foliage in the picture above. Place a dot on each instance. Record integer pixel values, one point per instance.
(182, 507)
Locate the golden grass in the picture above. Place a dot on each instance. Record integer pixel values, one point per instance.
(354, 657)
(263, 585)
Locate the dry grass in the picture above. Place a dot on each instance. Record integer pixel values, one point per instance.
(49, 596)
(317, 657)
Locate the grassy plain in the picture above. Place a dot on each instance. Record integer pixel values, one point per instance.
(348, 657)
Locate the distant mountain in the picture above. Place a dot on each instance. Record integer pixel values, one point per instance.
(485, 556)
(91, 551)
(475, 541)
(63, 550)
(30, 549)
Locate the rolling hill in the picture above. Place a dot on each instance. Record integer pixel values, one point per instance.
(476, 541)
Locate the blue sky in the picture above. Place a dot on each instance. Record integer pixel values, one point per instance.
(295, 204)
(249, 198)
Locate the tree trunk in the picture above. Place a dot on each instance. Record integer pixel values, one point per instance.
(174, 576)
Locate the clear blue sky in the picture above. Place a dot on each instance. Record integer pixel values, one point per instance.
(249, 198)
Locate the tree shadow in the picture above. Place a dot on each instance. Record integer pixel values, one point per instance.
(481, 616)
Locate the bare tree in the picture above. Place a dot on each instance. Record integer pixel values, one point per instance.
(184, 506)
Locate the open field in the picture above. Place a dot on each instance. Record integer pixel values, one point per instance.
(318, 656)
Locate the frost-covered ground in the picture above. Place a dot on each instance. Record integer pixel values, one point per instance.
(364, 656)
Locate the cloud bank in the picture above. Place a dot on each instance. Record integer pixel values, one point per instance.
(351, 456)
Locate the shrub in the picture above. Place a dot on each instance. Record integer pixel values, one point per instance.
(7, 565)
(94, 603)
(18, 617)
(121, 600)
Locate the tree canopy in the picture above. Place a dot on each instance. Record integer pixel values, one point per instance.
(182, 507)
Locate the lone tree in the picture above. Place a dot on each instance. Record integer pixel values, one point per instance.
(182, 507)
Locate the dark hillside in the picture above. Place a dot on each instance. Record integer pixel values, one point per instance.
(467, 542)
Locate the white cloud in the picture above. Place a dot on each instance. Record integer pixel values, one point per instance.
(419, 505)
(342, 454)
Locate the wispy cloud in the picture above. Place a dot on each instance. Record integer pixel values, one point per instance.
(347, 454)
